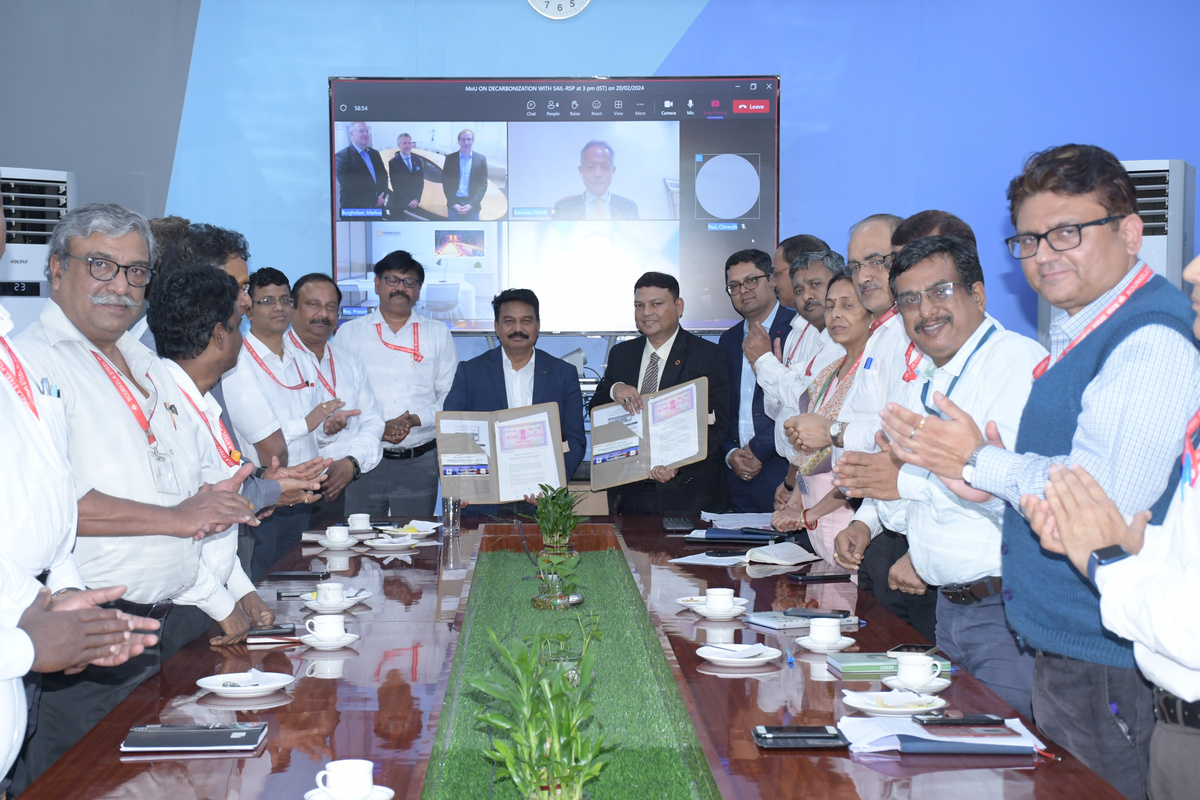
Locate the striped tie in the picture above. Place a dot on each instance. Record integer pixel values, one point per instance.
(650, 382)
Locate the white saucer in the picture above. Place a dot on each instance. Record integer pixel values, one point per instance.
(808, 644)
(760, 672)
(723, 658)
(692, 602)
(346, 603)
(873, 710)
(272, 700)
(337, 644)
(420, 531)
(377, 793)
(705, 611)
(328, 545)
(265, 683)
(390, 544)
(934, 686)
(345, 654)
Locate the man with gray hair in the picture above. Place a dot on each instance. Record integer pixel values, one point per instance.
(596, 167)
(362, 179)
(143, 507)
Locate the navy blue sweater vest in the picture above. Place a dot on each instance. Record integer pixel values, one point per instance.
(1049, 604)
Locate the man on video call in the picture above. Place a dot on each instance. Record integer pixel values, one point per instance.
(464, 179)
(362, 180)
(408, 179)
(596, 167)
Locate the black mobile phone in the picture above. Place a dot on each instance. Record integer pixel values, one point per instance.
(725, 553)
(804, 577)
(794, 731)
(298, 576)
(822, 613)
(678, 524)
(964, 719)
(823, 737)
(285, 629)
(923, 649)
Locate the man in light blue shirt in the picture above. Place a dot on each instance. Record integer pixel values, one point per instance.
(464, 179)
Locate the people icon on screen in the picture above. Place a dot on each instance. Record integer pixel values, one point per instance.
(597, 164)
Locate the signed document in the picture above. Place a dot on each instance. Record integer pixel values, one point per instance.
(500, 456)
(673, 425)
(525, 456)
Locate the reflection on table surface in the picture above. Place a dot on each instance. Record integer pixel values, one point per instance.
(380, 699)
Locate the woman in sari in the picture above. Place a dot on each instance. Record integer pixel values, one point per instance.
(814, 504)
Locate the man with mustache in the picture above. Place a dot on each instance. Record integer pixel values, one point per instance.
(143, 506)
(952, 543)
(352, 437)
(410, 361)
(517, 374)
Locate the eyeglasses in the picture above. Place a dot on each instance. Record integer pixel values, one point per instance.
(941, 293)
(104, 269)
(878, 262)
(396, 280)
(1064, 237)
(267, 302)
(733, 287)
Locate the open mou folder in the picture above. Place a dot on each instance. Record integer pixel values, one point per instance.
(500, 456)
(671, 431)
(879, 734)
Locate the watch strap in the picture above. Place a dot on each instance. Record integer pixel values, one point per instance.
(1103, 556)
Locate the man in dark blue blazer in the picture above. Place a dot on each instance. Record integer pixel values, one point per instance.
(516, 374)
(408, 179)
(754, 468)
(360, 186)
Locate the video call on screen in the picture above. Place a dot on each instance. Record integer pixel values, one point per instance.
(573, 188)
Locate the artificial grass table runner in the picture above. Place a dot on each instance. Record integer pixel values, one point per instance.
(638, 707)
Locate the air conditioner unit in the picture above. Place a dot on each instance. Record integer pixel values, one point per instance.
(1166, 198)
(34, 201)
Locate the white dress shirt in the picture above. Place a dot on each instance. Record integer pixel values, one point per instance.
(663, 351)
(518, 383)
(401, 383)
(745, 421)
(880, 373)
(16, 659)
(951, 540)
(806, 352)
(363, 435)
(110, 453)
(251, 394)
(229, 582)
(1146, 598)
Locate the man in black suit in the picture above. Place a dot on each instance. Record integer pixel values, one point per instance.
(666, 355)
(755, 469)
(362, 179)
(464, 179)
(408, 179)
(596, 167)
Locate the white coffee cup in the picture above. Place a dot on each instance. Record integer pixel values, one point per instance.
(823, 630)
(360, 522)
(719, 599)
(915, 670)
(718, 634)
(337, 533)
(337, 563)
(327, 627)
(326, 668)
(330, 593)
(348, 779)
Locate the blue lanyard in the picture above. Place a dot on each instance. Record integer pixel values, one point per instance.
(953, 383)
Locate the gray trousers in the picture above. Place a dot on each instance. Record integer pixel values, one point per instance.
(1174, 756)
(1103, 715)
(399, 488)
(977, 636)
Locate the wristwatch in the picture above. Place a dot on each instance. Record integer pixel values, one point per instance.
(968, 470)
(357, 468)
(1104, 556)
(835, 432)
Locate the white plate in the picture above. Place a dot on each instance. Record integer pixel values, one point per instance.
(337, 644)
(419, 533)
(933, 687)
(377, 793)
(723, 658)
(328, 545)
(808, 644)
(730, 613)
(872, 710)
(272, 700)
(266, 683)
(692, 602)
(765, 671)
(389, 544)
(337, 607)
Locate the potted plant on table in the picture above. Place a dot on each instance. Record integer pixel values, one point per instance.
(556, 519)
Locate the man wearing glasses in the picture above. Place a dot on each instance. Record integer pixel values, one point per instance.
(755, 469)
(1114, 397)
(410, 361)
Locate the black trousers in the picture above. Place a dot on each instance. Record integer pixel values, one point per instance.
(918, 610)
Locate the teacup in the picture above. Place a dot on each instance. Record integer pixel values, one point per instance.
(823, 630)
(719, 599)
(337, 563)
(915, 670)
(326, 668)
(359, 522)
(348, 779)
(337, 534)
(327, 627)
(330, 593)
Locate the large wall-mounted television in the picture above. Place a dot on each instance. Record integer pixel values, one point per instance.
(572, 187)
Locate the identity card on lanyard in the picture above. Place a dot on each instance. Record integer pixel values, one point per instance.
(160, 463)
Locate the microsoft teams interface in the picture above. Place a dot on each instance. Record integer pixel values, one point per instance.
(570, 187)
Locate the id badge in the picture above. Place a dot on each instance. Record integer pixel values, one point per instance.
(801, 484)
(164, 473)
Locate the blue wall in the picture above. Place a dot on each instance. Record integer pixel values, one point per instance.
(886, 106)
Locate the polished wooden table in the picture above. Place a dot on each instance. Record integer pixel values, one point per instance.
(381, 700)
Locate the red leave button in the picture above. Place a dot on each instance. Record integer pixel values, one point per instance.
(751, 106)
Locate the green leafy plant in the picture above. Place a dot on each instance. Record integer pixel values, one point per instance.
(548, 751)
(556, 563)
(556, 517)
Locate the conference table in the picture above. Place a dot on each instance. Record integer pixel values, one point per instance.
(382, 699)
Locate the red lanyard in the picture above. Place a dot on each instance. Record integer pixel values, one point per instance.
(229, 454)
(1139, 280)
(911, 364)
(127, 396)
(19, 380)
(891, 313)
(332, 367)
(414, 351)
(1190, 466)
(796, 345)
(301, 385)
